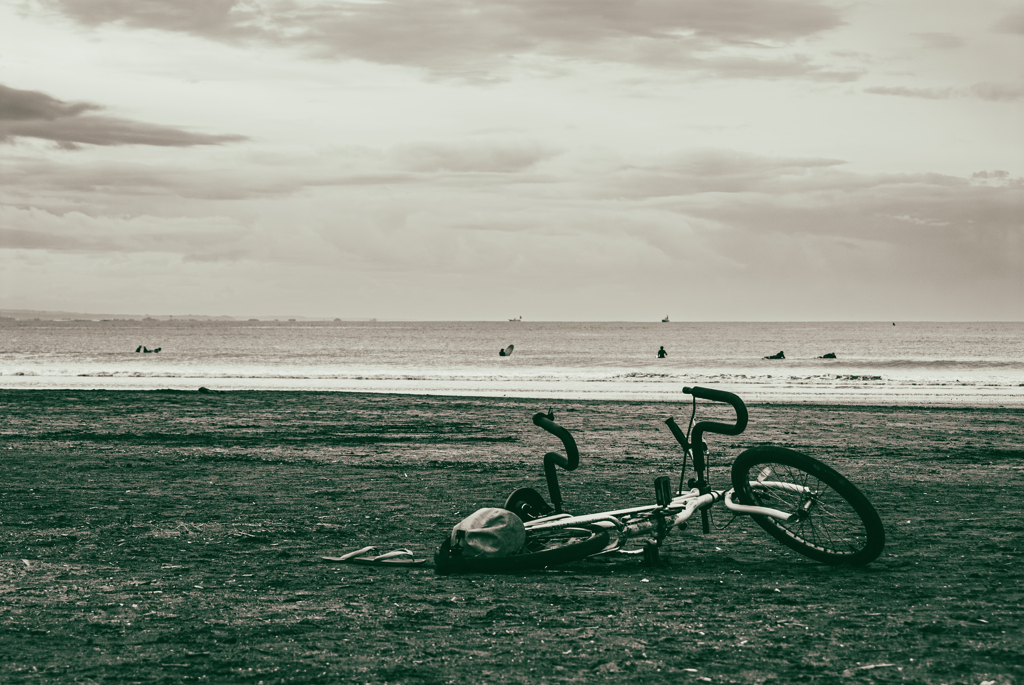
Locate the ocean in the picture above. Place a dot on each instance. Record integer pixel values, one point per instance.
(914, 363)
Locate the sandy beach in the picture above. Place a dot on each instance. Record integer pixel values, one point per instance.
(165, 536)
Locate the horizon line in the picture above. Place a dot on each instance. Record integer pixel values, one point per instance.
(63, 315)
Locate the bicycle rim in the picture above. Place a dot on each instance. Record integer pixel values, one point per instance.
(834, 524)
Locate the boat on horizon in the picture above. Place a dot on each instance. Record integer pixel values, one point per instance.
(665, 320)
(518, 318)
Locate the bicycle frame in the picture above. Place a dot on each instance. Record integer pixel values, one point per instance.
(661, 520)
(803, 503)
(656, 520)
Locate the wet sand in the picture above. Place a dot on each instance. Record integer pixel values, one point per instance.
(172, 535)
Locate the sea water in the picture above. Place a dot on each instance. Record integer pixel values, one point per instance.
(905, 363)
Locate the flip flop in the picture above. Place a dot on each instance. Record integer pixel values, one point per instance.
(399, 557)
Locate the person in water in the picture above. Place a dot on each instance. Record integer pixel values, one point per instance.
(662, 353)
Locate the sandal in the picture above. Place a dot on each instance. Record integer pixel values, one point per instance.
(399, 557)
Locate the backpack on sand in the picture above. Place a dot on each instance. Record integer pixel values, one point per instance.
(485, 537)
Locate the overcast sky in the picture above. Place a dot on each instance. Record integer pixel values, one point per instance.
(486, 159)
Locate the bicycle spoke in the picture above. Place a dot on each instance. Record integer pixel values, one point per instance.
(826, 506)
(834, 522)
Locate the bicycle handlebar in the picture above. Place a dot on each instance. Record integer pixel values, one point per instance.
(715, 426)
(572, 460)
(697, 445)
(568, 462)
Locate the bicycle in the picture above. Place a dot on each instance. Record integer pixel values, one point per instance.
(801, 502)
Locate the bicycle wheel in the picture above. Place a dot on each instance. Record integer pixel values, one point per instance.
(835, 523)
(544, 547)
(528, 504)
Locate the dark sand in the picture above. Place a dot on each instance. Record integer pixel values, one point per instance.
(176, 536)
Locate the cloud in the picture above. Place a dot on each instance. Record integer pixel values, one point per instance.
(59, 183)
(204, 17)
(31, 114)
(477, 38)
(1011, 23)
(479, 157)
(997, 174)
(22, 105)
(705, 173)
(733, 226)
(721, 202)
(999, 92)
(206, 239)
(993, 92)
(940, 41)
(901, 91)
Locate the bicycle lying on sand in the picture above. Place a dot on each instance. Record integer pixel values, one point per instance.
(801, 502)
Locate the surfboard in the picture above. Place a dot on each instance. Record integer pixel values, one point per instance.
(507, 351)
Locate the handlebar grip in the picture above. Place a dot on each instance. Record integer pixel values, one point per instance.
(714, 395)
(572, 458)
(677, 433)
(714, 426)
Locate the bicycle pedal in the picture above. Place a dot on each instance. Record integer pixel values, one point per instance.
(663, 490)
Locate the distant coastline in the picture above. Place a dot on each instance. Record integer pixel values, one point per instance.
(60, 315)
(43, 315)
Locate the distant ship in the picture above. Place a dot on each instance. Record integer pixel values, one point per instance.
(665, 320)
(518, 318)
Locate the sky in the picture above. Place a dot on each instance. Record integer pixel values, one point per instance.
(558, 160)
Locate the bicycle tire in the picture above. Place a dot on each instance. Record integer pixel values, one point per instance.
(543, 547)
(528, 504)
(837, 525)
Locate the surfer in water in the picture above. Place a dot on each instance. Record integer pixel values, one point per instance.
(662, 353)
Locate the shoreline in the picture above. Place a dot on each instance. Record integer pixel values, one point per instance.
(750, 396)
